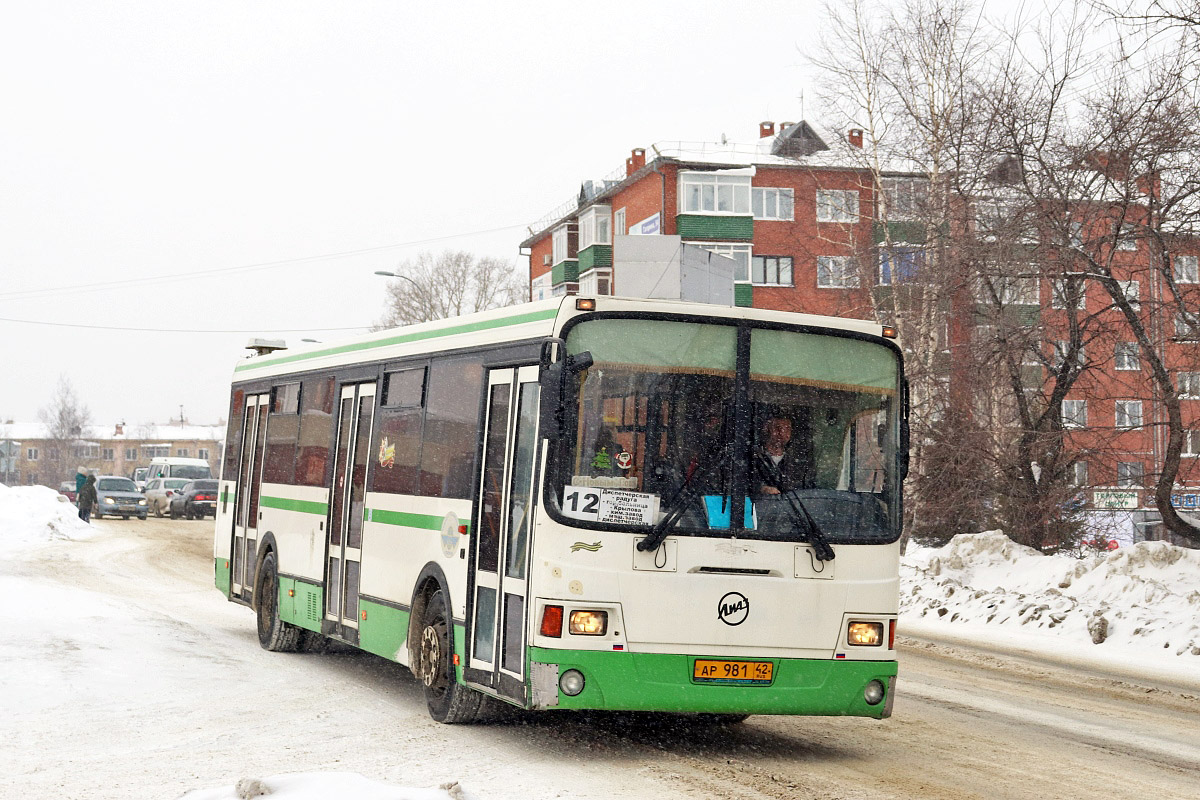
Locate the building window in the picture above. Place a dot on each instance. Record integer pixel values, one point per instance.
(1003, 221)
(1074, 413)
(31, 454)
(1187, 326)
(714, 193)
(740, 253)
(202, 453)
(131, 454)
(906, 197)
(1126, 356)
(107, 454)
(773, 203)
(157, 450)
(837, 205)
(1188, 384)
(619, 222)
(595, 226)
(1063, 291)
(1132, 291)
(837, 272)
(771, 270)
(596, 282)
(182, 452)
(1129, 414)
(1191, 444)
(1008, 290)
(1130, 474)
(1186, 269)
(1079, 474)
(561, 243)
(1127, 238)
(900, 264)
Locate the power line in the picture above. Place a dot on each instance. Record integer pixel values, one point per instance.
(265, 265)
(178, 330)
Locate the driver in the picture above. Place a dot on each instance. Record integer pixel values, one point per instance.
(778, 464)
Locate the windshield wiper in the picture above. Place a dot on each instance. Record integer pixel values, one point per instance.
(815, 536)
(678, 504)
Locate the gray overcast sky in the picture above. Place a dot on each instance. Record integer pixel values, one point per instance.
(145, 140)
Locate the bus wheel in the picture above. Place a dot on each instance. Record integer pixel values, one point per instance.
(273, 633)
(448, 700)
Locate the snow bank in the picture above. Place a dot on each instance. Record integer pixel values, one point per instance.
(323, 785)
(31, 515)
(1141, 603)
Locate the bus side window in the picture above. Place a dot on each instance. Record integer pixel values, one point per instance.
(451, 427)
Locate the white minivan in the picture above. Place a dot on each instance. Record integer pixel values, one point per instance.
(168, 467)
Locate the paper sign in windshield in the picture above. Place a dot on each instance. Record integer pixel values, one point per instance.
(609, 505)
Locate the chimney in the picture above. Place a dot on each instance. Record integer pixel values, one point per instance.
(766, 129)
(635, 161)
(120, 429)
(856, 137)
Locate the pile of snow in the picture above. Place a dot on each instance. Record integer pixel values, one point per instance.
(1140, 602)
(37, 514)
(323, 785)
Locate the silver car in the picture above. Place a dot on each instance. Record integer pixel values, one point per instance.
(159, 492)
(118, 497)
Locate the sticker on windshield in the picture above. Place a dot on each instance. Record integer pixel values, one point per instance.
(609, 505)
(624, 459)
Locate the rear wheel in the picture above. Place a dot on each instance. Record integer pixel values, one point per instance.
(273, 633)
(448, 700)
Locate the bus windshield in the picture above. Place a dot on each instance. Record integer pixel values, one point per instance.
(676, 418)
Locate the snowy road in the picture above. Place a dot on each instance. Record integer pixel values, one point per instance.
(125, 674)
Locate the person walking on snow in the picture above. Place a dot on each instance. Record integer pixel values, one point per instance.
(80, 480)
(87, 498)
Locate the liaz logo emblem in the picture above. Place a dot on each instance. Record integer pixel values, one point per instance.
(733, 608)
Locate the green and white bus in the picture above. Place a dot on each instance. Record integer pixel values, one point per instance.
(581, 503)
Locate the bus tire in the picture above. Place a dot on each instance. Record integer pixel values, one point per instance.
(449, 701)
(273, 633)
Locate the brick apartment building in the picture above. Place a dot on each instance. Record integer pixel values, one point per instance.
(796, 211)
(37, 459)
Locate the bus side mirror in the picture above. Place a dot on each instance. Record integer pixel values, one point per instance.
(554, 379)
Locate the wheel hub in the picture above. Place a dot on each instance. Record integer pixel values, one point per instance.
(431, 655)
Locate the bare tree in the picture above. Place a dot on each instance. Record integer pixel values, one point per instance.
(66, 418)
(448, 285)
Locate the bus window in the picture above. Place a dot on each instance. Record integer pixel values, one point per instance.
(316, 431)
(451, 427)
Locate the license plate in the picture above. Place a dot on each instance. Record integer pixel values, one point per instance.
(740, 672)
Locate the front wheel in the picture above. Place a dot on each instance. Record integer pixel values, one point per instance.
(273, 633)
(448, 700)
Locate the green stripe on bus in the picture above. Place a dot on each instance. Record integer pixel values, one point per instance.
(285, 504)
(405, 518)
(519, 319)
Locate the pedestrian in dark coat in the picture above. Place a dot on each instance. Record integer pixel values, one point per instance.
(87, 498)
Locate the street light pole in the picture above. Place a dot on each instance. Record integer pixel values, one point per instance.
(387, 274)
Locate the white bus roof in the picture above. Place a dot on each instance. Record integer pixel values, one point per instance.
(535, 320)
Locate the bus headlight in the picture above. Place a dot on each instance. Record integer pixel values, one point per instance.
(865, 634)
(571, 682)
(589, 623)
(873, 693)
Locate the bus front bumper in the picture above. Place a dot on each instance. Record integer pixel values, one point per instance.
(624, 681)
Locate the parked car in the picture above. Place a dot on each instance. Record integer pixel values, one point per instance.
(118, 497)
(68, 488)
(159, 492)
(196, 500)
(139, 477)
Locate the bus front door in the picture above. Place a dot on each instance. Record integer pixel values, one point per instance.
(246, 513)
(343, 547)
(499, 607)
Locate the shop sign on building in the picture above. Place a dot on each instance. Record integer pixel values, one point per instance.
(1115, 500)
